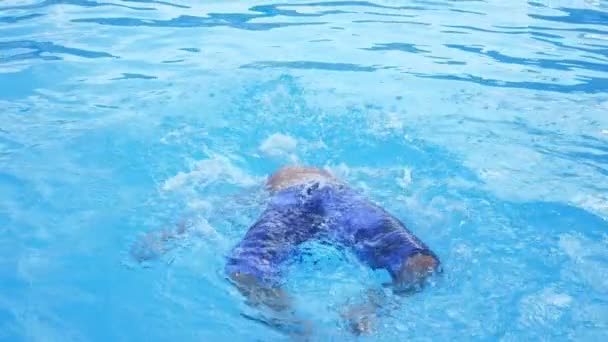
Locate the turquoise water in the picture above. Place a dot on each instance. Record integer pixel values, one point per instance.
(481, 124)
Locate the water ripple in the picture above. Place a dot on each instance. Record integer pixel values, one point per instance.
(310, 65)
(577, 16)
(15, 19)
(479, 29)
(592, 85)
(236, 21)
(561, 64)
(556, 29)
(391, 22)
(39, 49)
(396, 47)
(356, 4)
(81, 3)
(275, 10)
(391, 14)
(128, 76)
(159, 3)
(603, 51)
(465, 11)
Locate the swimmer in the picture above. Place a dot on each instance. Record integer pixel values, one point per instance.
(309, 203)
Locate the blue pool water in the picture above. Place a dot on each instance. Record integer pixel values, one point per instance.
(481, 124)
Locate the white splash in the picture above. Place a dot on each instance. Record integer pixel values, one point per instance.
(561, 300)
(595, 203)
(572, 246)
(544, 307)
(215, 169)
(279, 145)
(202, 228)
(406, 179)
(341, 170)
(595, 36)
(550, 296)
(199, 205)
(393, 121)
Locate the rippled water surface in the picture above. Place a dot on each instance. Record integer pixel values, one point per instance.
(481, 124)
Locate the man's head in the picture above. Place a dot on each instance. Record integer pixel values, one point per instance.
(414, 272)
(293, 175)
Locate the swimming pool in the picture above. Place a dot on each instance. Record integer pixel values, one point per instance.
(482, 124)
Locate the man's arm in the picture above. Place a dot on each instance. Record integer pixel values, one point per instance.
(152, 245)
(274, 298)
(411, 279)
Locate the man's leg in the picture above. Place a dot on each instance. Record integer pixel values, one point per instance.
(255, 264)
(382, 242)
(292, 217)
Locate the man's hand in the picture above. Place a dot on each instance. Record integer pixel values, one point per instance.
(362, 324)
(361, 318)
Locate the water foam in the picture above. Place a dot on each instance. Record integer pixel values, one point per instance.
(281, 146)
(204, 172)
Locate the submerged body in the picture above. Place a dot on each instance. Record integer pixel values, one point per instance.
(309, 203)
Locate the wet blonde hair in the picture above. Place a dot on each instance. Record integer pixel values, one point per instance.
(293, 175)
